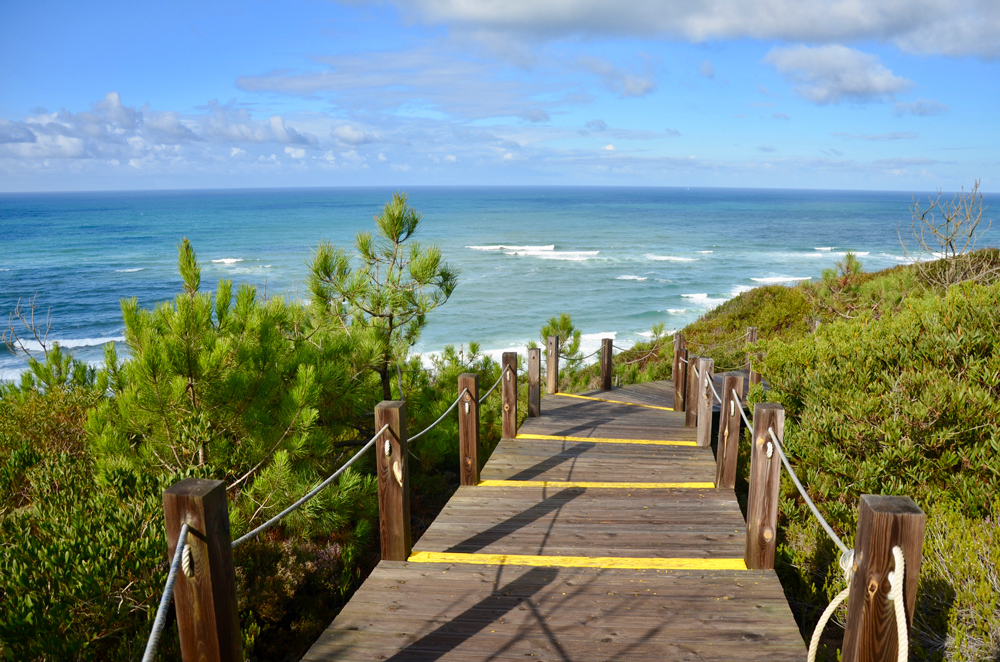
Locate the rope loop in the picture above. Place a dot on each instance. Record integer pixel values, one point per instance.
(847, 566)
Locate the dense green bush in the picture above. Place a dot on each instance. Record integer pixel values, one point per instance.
(905, 403)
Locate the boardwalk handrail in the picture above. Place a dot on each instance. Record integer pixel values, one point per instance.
(310, 494)
(885, 523)
(168, 592)
(440, 418)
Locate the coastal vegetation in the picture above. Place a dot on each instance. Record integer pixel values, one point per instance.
(890, 381)
(266, 394)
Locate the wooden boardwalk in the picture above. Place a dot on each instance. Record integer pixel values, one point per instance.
(578, 545)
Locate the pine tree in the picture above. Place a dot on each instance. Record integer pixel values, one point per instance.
(384, 300)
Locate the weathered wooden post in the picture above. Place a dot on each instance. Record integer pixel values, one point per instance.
(691, 392)
(729, 431)
(552, 364)
(884, 522)
(705, 401)
(762, 502)
(393, 481)
(534, 382)
(205, 599)
(752, 338)
(607, 368)
(680, 378)
(508, 386)
(468, 428)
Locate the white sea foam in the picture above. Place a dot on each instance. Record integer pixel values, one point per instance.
(676, 311)
(740, 289)
(774, 280)
(706, 251)
(228, 260)
(70, 343)
(637, 278)
(822, 248)
(572, 256)
(897, 258)
(130, 270)
(506, 247)
(703, 299)
(670, 258)
(543, 252)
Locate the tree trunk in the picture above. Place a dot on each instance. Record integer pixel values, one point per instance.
(386, 383)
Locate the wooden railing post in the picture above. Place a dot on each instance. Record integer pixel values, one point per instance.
(534, 382)
(207, 616)
(680, 378)
(607, 368)
(729, 431)
(884, 522)
(552, 364)
(393, 481)
(705, 401)
(691, 392)
(468, 428)
(508, 387)
(762, 502)
(752, 338)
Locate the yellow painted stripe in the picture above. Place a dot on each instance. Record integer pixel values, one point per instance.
(578, 483)
(605, 440)
(630, 563)
(617, 402)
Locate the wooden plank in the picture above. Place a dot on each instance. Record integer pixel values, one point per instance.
(607, 367)
(393, 481)
(884, 522)
(552, 364)
(508, 389)
(727, 449)
(207, 615)
(706, 399)
(468, 428)
(527, 551)
(439, 611)
(762, 502)
(534, 382)
(691, 393)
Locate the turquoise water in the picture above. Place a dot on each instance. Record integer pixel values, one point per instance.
(617, 259)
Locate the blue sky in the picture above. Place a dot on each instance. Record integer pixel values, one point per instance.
(881, 94)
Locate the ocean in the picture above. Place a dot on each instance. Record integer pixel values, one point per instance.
(619, 260)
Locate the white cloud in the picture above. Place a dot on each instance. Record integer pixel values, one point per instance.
(626, 83)
(609, 148)
(111, 131)
(352, 135)
(922, 107)
(949, 27)
(295, 152)
(830, 74)
(707, 70)
(450, 158)
(429, 81)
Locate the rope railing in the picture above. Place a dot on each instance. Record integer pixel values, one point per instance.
(495, 384)
(168, 593)
(716, 345)
(310, 494)
(579, 358)
(846, 561)
(440, 418)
